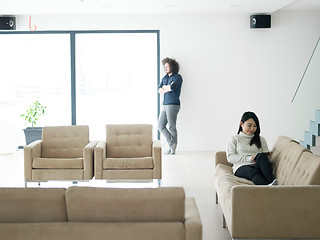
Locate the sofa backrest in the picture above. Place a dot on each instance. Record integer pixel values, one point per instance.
(294, 164)
(280, 149)
(87, 204)
(307, 171)
(64, 141)
(288, 163)
(129, 141)
(19, 205)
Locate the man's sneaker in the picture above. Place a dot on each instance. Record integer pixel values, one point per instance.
(168, 152)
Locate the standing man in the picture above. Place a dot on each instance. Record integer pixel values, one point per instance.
(170, 86)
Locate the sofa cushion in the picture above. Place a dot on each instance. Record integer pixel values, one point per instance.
(32, 205)
(288, 162)
(128, 163)
(225, 180)
(64, 141)
(279, 151)
(58, 163)
(93, 231)
(307, 170)
(125, 205)
(126, 141)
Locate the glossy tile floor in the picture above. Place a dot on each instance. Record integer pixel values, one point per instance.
(191, 170)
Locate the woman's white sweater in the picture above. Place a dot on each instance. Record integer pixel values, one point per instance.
(239, 151)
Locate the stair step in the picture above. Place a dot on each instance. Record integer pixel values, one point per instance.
(309, 138)
(318, 116)
(302, 143)
(315, 150)
(314, 128)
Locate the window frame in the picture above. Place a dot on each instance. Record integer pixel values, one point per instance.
(72, 35)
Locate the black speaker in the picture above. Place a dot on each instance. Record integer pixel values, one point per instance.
(7, 23)
(260, 21)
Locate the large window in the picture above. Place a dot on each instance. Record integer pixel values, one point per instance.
(116, 80)
(33, 68)
(86, 77)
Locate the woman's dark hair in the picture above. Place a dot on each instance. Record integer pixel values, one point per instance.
(174, 65)
(256, 138)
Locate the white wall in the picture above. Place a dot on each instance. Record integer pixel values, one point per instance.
(227, 67)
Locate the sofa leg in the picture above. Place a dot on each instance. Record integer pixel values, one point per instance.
(25, 184)
(159, 182)
(38, 184)
(224, 224)
(217, 199)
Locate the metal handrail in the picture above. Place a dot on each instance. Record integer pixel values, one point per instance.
(304, 72)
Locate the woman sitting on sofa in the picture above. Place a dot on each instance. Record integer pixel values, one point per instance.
(249, 153)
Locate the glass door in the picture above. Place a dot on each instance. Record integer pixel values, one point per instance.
(116, 80)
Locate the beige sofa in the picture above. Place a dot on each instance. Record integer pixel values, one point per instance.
(86, 213)
(64, 153)
(129, 152)
(288, 211)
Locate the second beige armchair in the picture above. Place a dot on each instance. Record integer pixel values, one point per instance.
(129, 152)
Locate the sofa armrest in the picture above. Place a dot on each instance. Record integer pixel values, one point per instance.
(275, 212)
(31, 151)
(88, 160)
(157, 159)
(192, 223)
(221, 157)
(100, 153)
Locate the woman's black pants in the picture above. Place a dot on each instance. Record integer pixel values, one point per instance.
(259, 173)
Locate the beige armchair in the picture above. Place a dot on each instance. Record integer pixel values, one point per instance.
(64, 153)
(129, 152)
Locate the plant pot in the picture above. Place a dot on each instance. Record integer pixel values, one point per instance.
(32, 134)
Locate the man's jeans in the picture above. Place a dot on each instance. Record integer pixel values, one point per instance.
(169, 116)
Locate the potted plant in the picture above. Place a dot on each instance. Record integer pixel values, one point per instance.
(31, 116)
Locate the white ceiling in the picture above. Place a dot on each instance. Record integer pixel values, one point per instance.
(35, 7)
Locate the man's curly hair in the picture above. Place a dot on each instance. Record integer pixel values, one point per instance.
(174, 65)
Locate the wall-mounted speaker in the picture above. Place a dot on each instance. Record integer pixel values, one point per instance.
(260, 21)
(7, 23)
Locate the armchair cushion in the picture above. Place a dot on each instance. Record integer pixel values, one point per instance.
(58, 163)
(64, 141)
(129, 141)
(128, 163)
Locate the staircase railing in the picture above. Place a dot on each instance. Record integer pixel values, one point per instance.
(314, 50)
(306, 98)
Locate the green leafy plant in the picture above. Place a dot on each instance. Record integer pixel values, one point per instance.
(35, 111)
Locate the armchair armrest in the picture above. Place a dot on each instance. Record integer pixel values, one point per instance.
(221, 157)
(100, 152)
(275, 212)
(88, 160)
(157, 159)
(192, 223)
(31, 151)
